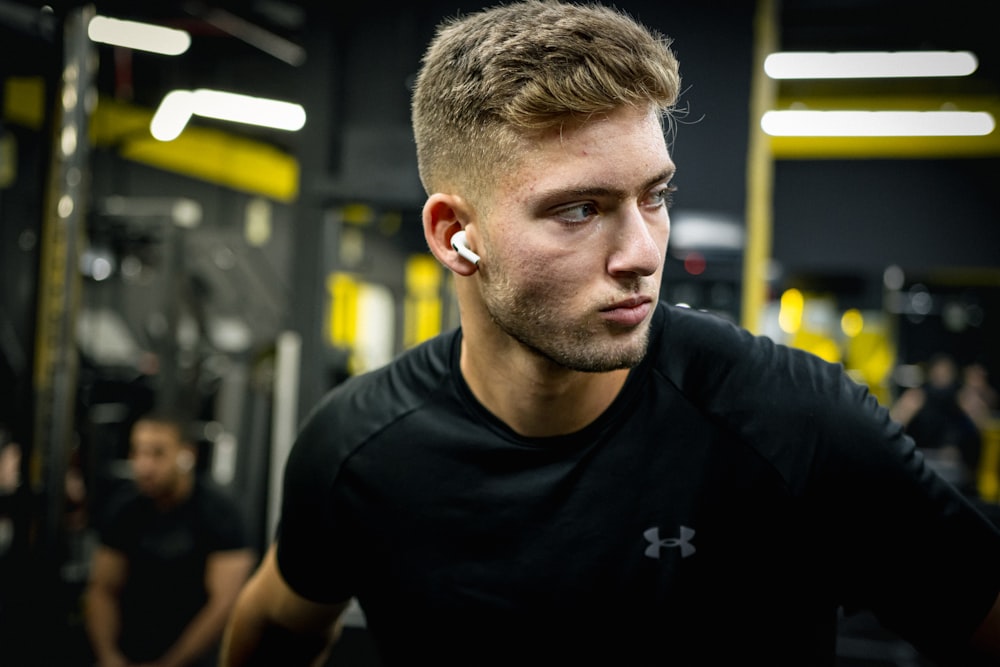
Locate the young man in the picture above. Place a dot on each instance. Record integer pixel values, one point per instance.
(172, 558)
(580, 474)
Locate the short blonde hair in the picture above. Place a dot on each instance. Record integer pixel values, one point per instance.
(496, 78)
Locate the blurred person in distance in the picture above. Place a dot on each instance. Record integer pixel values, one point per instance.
(173, 554)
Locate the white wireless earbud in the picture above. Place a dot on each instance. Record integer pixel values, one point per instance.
(458, 243)
(185, 461)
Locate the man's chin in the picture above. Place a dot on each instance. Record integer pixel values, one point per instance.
(613, 358)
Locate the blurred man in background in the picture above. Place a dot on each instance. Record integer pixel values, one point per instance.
(936, 419)
(11, 498)
(173, 554)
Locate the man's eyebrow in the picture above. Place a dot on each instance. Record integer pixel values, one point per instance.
(603, 191)
(665, 175)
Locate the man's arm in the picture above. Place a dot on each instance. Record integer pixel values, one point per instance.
(102, 614)
(272, 624)
(225, 574)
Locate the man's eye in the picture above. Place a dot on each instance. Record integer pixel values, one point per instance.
(576, 213)
(664, 196)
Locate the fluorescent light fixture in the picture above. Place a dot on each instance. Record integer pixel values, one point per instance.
(173, 115)
(251, 110)
(795, 123)
(140, 36)
(705, 230)
(178, 106)
(869, 64)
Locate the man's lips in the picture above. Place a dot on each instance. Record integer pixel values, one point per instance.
(628, 312)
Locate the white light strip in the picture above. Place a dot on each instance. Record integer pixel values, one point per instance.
(251, 110)
(178, 106)
(141, 36)
(869, 64)
(795, 123)
(172, 116)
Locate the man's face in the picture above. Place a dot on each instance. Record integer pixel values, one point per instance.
(160, 460)
(575, 241)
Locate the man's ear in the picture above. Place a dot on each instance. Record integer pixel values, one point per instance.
(445, 215)
(186, 458)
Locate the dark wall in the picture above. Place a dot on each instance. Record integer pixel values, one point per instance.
(863, 215)
(841, 223)
(376, 59)
(21, 202)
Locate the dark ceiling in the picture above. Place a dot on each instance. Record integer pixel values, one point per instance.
(260, 43)
(898, 25)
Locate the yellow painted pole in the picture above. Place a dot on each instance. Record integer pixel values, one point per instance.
(989, 463)
(760, 171)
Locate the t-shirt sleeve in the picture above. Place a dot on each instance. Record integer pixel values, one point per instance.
(914, 549)
(313, 542)
(899, 540)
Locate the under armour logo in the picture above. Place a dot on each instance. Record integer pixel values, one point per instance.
(656, 544)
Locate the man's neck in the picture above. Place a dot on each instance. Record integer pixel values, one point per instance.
(181, 492)
(537, 398)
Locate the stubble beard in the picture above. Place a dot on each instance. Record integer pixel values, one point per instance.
(523, 314)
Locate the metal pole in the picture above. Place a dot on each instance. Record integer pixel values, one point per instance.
(57, 360)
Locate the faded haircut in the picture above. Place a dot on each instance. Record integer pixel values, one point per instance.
(494, 79)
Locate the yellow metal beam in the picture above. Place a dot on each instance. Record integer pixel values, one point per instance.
(203, 153)
(760, 173)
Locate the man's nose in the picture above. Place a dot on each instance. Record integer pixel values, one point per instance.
(640, 243)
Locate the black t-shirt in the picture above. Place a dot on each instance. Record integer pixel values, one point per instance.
(166, 554)
(735, 495)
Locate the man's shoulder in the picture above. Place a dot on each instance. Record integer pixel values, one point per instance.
(405, 380)
(220, 511)
(211, 493)
(745, 378)
(785, 402)
(697, 347)
(690, 346)
(123, 512)
(365, 404)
